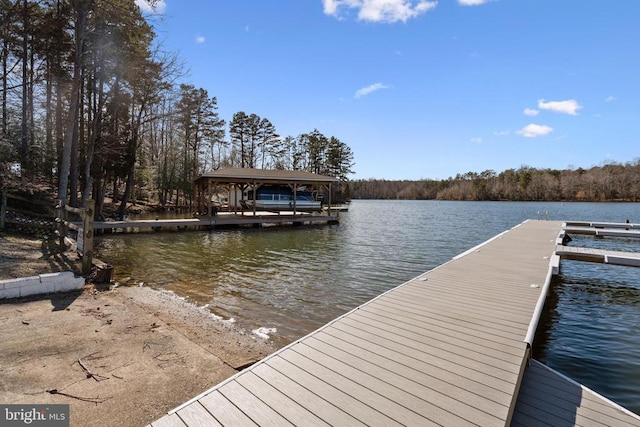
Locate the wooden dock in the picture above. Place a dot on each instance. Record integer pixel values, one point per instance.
(447, 348)
(548, 398)
(450, 347)
(223, 219)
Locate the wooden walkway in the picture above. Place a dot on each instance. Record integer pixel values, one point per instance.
(548, 398)
(446, 348)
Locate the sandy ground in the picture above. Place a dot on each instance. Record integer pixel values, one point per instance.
(25, 256)
(122, 356)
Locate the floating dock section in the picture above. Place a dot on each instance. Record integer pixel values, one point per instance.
(450, 347)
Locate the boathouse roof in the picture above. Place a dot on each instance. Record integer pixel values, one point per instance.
(265, 176)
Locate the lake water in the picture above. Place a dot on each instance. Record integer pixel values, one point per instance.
(294, 280)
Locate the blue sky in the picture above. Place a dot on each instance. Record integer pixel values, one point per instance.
(424, 89)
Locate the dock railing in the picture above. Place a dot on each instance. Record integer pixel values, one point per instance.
(84, 237)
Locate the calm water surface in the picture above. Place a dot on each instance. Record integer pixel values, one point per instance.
(296, 280)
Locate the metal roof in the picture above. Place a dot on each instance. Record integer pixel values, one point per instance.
(248, 175)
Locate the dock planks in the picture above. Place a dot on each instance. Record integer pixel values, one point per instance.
(446, 348)
(549, 398)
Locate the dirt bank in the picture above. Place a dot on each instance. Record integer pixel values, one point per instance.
(122, 356)
(22, 256)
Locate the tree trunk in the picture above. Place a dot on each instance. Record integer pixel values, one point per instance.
(24, 139)
(95, 129)
(49, 151)
(34, 160)
(5, 54)
(73, 165)
(82, 7)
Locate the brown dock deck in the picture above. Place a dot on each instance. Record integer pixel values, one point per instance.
(450, 347)
(548, 398)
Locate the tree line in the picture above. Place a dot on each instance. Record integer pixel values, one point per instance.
(90, 102)
(608, 182)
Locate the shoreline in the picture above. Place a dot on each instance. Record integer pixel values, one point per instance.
(117, 355)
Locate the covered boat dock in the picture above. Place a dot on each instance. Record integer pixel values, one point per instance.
(235, 182)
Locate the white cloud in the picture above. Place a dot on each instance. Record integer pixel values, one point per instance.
(533, 130)
(472, 2)
(569, 106)
(367, 90)
(149, 7)
(611, 98)
(531, 112)
(330, 7)
(501, 133)
(200, 39)
(387, 11)
(476, 140)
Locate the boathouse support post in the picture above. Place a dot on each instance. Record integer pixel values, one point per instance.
(254, 184)
(197, 191)
(229, 187)
(209, 195)
(295, 196)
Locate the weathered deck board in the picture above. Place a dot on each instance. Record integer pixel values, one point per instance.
(446, 348)
(437, 394)
(448, 383)
(333, 394)
(168, 421)
(547, 397)
(427, 336)
(253, 407)
(226, 412)
(432, 330)
(297, 392)
(197, 415)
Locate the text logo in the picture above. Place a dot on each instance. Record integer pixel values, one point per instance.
(34, 415)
